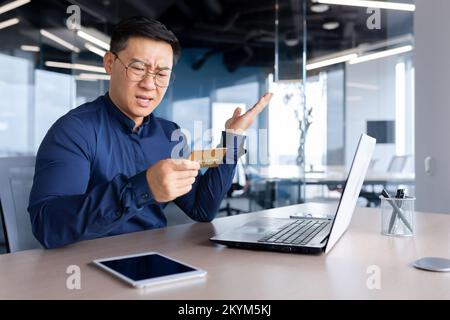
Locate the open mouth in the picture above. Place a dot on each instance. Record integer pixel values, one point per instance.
(144, 101)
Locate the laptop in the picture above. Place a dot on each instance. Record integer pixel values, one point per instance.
(306, 234)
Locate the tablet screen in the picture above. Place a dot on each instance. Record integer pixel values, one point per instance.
(146, 267)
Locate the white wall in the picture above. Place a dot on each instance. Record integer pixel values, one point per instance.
(432, 27)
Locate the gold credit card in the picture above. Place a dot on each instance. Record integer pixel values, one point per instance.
(211, 158)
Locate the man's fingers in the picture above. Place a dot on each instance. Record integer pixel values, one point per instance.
(262, 103)
(183, 165)
(237, 113)
(183, 191)
(180, 175)
(183, 183)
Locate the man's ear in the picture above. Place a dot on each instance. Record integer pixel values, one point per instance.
(108, 60)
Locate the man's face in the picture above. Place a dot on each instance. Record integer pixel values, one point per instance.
(138, 99)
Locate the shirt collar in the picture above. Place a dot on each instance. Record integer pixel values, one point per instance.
(123, 119)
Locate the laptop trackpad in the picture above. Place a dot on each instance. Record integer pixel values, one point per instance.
(261, 226)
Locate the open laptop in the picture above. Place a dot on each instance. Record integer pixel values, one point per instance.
(306, 235)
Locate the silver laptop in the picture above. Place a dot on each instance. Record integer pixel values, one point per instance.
(306, 235)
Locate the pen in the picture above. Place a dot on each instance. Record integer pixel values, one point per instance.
(394, 213)
(400, 195)
(397, 210)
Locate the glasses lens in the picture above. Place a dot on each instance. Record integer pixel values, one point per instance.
(164, 78)
(136, 71)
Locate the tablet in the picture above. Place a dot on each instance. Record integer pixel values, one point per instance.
(148, 269)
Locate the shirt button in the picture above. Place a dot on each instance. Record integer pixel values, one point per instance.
(145, 196)
(118, 214)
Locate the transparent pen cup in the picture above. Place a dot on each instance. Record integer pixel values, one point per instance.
(397, 216)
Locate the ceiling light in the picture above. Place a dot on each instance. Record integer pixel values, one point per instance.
(93, 76)
(12, 5)
(332, 25)
(75, 66)
(78, 78)
(357, 85)
(30, 48)
(95, 50)
(60, 41)
(94, 40)
(292, 42)
(291, 39)
(320, 8)
(9, 23)
(353, 99)
(331, 61)
(382, 54)
(371, 4)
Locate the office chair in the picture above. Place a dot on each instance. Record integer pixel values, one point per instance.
(238, 189)
(372, 164)
(16, 178)
(397, 164)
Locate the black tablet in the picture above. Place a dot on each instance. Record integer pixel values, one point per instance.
(148, 269)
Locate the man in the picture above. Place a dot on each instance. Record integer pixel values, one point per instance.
(105, 168)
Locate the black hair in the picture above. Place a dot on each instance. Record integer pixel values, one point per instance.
(140, 26)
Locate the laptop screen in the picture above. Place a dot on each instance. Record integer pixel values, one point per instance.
(352, 189)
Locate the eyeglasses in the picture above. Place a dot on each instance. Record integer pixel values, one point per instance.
(138, 71)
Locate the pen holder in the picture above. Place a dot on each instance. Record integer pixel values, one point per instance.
(397, 216)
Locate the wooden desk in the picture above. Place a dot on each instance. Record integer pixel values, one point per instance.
(243, 274)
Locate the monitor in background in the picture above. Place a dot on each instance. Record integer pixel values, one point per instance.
(382, 131)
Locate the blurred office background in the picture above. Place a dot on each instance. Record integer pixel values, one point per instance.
(337, 71)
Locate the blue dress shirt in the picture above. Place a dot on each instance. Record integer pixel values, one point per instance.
(90, 179)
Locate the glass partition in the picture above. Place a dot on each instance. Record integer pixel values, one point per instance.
(287, 115)
(50, 62)
(360, 80)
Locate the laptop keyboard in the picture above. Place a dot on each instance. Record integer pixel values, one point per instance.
(298, 232)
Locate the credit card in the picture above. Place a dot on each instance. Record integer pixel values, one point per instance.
(210, 158)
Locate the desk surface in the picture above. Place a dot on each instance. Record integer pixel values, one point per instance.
(243, 274)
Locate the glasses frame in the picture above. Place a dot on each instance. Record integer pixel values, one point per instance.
(153, 74)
